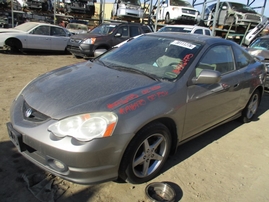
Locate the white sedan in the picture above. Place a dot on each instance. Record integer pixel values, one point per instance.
(34, 36)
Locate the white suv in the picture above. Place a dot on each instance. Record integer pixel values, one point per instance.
(177, 11)
(192, 29)
(127, 10)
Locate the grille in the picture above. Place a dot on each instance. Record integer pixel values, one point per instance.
(75, 40)
(31, 114)
(253, 17)
(132, 14)
(192, 12)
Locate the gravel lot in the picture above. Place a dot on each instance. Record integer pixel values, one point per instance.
(229, 163)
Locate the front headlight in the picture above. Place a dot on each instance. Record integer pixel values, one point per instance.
(89, 41)
(86, 127)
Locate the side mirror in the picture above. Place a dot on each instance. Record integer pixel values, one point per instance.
(118, 35)
(224, 8)
(207, 76)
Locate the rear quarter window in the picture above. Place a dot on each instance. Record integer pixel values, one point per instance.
(146, 29)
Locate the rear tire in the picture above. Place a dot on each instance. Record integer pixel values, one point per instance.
(167, 18)
(251, 108)
(146, 154)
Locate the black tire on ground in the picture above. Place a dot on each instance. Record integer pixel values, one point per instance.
(14, 45)
(251, 108)
(167, 18)
(146, 154)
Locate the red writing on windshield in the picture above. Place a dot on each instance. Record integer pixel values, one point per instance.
(183, 63)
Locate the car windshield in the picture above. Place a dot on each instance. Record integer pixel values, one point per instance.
(241, 8)
(77, 26)
(262, 44)
(180, 3)
(104, 29)
(175, 29)
(133, 2)
(26, 26)
(154, 56)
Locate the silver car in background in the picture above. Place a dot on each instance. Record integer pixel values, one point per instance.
(34, 36)
(260, 47)
(121, 115)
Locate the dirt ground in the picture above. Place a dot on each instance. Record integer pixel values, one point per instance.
(229, 163)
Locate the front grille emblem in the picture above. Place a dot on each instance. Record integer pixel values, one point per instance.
(28, 112)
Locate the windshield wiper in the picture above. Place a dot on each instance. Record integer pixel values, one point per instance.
(121, 68)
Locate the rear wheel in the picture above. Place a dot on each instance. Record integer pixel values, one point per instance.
(252, 106)
(146, 154)
(167, 18)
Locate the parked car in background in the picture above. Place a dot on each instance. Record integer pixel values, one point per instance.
(231, 13)
(180, 11)
(260, 47)
(127, 10)
(79, 6)
(192, 29)
(260, 30)
(120, 116)
(77, 28)
(104, 37)
(34, 36)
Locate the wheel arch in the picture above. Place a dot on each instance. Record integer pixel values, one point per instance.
(11, 40)
(171, 126)
(261, 90)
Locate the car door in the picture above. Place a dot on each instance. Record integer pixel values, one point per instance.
(39, 38)
(59, 39)
(121, 34)
(209, 104)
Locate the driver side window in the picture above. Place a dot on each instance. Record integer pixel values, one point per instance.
(219, 58)
(42, 30)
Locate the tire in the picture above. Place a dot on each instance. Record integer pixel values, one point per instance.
(13, 45)
(142, 161)
(251, 108)
(167, 18)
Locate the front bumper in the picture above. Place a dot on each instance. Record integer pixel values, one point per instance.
(81, 50)
(90, 162)
(132, 13)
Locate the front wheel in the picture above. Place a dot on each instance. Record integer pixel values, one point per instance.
(252, 106)
(146, 154)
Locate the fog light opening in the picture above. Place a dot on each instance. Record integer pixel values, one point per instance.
(57, 165)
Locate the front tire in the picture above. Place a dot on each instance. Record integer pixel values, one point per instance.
(13, 45)
(252, 106)
(146, 154)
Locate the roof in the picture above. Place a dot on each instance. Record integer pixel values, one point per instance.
(193, 37)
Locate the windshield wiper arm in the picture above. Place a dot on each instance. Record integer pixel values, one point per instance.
(121, 68)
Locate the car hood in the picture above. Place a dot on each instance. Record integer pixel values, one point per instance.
(258, 52)
(77, 31)
(82, 88)
(84, 36)
(10, 30)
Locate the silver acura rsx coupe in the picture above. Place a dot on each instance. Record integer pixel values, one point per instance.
(122, 114)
